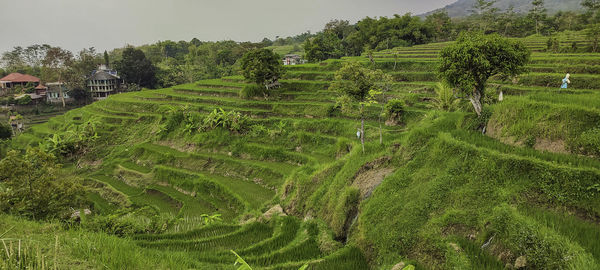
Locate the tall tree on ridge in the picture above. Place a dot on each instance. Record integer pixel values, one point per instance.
(58, 60)
(106, 59)
(537, 14)
(474, 58)
(486, 13)
(136, 68)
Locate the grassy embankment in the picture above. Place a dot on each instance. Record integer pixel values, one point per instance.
(433, 194)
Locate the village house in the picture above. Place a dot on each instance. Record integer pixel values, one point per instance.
(41, 90)
(103, 82)
(13, 80)
(54, 91)
(293, 59)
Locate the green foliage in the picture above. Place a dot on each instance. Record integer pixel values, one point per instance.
(574, 126)
(542, 248)
(31, 185)
(173, 118)
(530, 141)
(355, 81)
(474, 58)
(243, 264)
(134, 67)
(129, 222)
(230, 120)
(262, 66)
(588, 143)
(5, 131)
(445, 99)
(252, 90)
(479, 122)
(394, 109)
(324, 46)
(24, 100)
(211, 219)
(76, 140)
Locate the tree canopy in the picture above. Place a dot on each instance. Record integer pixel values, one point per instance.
(134, 67)
(475, 57)
(31, 185)
(356, 83)
(262, 66)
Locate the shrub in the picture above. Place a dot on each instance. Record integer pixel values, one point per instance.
(394, 109)
(25, 100)
(258, 131)
(478, 123)
(76, 140)
(588, 143)
(343, 147)
(530, 141)
(5, 131)
(31, 186)
(253, 90)
(445, 99)
(173, 120)
(333, 110)
(232, 121)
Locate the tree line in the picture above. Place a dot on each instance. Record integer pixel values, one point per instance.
(340, 38)
(168, 63)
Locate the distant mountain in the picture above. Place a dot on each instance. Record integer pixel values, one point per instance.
(462, 8)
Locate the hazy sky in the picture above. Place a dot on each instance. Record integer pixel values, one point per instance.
(107, 24)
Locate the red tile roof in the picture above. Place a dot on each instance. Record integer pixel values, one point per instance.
(18, 77)
(41, 87)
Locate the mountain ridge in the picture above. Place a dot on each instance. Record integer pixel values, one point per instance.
(462, 8)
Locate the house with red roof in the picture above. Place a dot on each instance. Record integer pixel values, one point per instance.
(15, 79)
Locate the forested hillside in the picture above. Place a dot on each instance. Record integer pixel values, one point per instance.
(462, 8)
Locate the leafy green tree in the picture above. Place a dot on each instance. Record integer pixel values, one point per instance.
(31, 185)
(106, 59)
(14, 59)
(341, 28)
(34, 55)
(57, 60)
(593, 35)
(356, 83)
(592, 6)
(563, 21)
(537, 14)
(134, 67)
(485, 12)
(5, 131)
(325, 45)
(75, 77)
(475, 57)
(441, 24)
(262, 66)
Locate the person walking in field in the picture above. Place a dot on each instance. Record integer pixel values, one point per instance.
(565, 82)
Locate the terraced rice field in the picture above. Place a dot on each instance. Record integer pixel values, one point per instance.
(215, 172)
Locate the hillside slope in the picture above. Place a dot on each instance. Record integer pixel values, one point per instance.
(436, 193)
(462, 8)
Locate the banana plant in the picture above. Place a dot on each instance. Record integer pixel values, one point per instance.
(210, 219)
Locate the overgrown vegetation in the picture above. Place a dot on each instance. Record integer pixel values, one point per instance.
(177, 177)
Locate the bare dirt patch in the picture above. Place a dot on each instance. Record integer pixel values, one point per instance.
(494, 130)
(551, 146)
(371, 175)
(186, 148)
